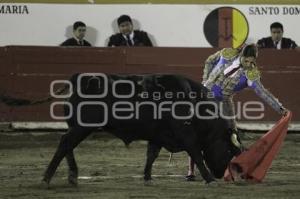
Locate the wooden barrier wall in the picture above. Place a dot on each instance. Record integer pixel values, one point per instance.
(27, 71)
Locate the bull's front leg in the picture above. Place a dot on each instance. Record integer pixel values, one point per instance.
(197, 157)
(152, 153)
(191, 144)
(194, 151)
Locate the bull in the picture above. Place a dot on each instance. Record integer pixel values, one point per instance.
(143, 107)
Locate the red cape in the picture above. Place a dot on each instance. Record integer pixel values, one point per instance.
(253, 164)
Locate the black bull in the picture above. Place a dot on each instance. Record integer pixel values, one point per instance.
(142, 107)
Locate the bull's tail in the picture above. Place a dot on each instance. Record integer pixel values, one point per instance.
(11, 101)
(170, 158)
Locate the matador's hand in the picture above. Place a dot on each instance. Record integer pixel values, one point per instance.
(284, 111)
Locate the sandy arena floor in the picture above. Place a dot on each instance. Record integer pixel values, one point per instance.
(109, 170)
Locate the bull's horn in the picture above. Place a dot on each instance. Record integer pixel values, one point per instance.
(235, 141)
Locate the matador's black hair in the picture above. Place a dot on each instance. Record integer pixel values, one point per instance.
(250, 51)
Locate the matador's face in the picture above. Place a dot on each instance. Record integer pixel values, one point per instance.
(248, 62)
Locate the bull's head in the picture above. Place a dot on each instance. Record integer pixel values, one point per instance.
(219, 152)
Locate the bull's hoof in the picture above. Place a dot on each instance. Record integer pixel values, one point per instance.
(213, 183)
(210, 179)
(45, 184)
(147, 178)
(73, 181)
(148, 182)
(190, 178)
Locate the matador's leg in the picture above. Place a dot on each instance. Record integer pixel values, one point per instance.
(228, 112)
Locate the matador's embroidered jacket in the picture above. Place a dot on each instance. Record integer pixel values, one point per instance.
(224, 76)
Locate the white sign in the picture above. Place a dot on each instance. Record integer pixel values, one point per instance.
(167, 25)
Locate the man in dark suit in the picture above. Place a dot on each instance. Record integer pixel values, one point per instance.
(128, 36)
(79, 30)
(276, 41)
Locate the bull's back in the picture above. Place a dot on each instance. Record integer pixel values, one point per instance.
(95, 99)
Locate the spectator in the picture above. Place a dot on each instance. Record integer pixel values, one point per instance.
(128, 36)
(276, 40)
(79, 30)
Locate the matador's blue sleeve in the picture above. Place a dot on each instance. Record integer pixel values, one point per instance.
(266, 95)
(209, 65)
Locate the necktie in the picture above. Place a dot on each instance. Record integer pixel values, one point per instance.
(232, 71)
(129, 42)
(276, 43)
